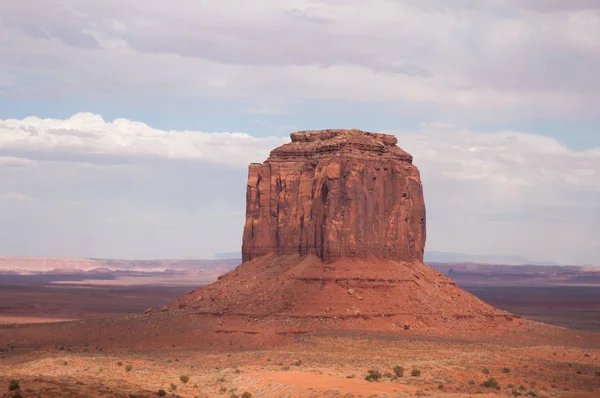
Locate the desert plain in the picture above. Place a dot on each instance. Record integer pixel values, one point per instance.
(332, 299)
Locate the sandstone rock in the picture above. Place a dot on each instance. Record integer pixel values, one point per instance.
(334, 239)
(336, 193)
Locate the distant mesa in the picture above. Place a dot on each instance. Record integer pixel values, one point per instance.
(334, 238)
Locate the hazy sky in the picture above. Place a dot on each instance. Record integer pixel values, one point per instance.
(126, 127)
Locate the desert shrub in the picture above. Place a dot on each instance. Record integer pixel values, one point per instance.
(387, 375)
(399, 371)
(65, 363)
(220, 380)
(491, 383)
(173, 387)
(522, 387)
(415, 373)
(350, 376)
(223, 389)
(515, 393)
(509, 386)
(285, 368)
(587, 355)
(14, 385)
(406, 327)
(297, 363)
(471, 382)
(62, 348)
(119, 363)
(161, 393)
(597, 373)
(373, 375)
(486, 371)
(440, 386)
(578, 372)
(505, 370)
(184, 379)
(246, 394)
(532, 394)
(128, 368)
(420, 393)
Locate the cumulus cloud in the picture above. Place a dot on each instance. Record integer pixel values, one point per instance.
(88, 137)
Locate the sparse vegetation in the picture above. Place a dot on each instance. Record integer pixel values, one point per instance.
(184, 379)
(415, 373)
(298, 363)
(246, 394)
(578, 372)
(532, 394)
(597, 373)
(486, 371)
(285, 368)
(221, 380)
(161, 393)
(65, 363)
(388, 375)
(128, 368)
(119, 363)
(14, 385)
(491, 383)
(586, 355)
(173, 387)
(440, 386)
(373, 375)
(505, 370)
(223, 389)
(515, 393)
(352, 376)
(406, 327)
(399, 371)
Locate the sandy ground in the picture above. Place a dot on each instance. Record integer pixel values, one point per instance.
(314, 366)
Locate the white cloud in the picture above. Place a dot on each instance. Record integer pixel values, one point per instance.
(497, 56)
(87, 137)
(18, 197)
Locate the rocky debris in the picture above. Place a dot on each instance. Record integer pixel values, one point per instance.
(149, 310)
(334, 239)
(336, 194)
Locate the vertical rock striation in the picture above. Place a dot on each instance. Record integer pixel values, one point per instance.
(336, 194)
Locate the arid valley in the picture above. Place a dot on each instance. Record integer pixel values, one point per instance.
(331, 299)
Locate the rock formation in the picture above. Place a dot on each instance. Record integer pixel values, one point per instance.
(334, 238)
(336, 194)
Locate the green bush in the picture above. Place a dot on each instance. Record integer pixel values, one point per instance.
(184, 379)
(415, 373)
(399, 371)
(373, 375)
(119, 363)
(491, 383)
(14, 385)
(128, 368)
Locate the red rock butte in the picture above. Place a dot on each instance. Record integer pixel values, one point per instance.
(336, 194)
(334, 239)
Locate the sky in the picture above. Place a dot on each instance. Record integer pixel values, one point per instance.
(126, 127)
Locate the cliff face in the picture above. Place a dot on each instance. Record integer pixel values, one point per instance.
(336, 194)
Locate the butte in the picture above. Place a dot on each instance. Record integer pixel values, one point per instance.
(334, 239)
